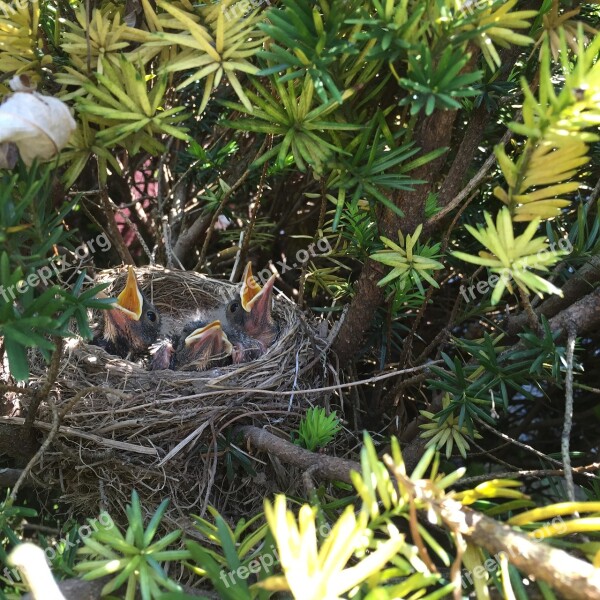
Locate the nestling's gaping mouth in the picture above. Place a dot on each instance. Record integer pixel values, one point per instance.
(251, 292)
(211, 333)
(130, 300)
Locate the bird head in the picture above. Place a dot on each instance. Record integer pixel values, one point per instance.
(132, 323)
(202, 345)
(250, 311)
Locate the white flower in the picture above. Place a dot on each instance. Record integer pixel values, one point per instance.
(222, 222)
(39, 125)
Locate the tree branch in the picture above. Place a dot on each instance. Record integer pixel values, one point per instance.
(320, 465)
(575, 288)
(434, 132)
(575, 578)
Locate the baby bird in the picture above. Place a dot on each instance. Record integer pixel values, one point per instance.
(247, 318)
(200, 346)
(239, 331)
(131, 325)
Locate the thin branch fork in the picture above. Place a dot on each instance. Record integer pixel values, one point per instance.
(224, 199)
(568, 424)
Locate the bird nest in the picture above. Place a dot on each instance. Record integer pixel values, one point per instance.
(170, 434)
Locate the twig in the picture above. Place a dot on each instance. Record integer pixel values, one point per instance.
(295, 383)
(40, 452)
(14, 389)
(531, 316)
(580, 284)
(136, 232)
(113, 230)
(416, 536)
(491, 456)
(318, 232)
(594, 195)
(472, 185)
(574, 578)
(162, 216)
(331, 388)
(43, 392)
(72, 432)
(517, 443)
(211, 471)
(183, 443)
(243, 253)
(251, 391)
(538, 473)
(587, 388)
(568, 424)
(226, 196)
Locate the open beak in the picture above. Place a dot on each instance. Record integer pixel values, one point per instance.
(210, 335)
(130, 299)
(250, 288)
(252, 295)
(259, 318)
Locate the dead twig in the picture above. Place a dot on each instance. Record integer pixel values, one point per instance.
(568, 424)
(43, 392)
(111, 224)
(224, 199)
(36, 457)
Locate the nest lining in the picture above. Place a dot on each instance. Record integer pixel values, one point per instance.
(163, 432)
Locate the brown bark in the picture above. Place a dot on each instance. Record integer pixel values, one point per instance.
(584, 314)
(434, 132)
(469, 145)
(358, 318)
(575, 578)
(188, 239)
(320, 465)
(574, 289)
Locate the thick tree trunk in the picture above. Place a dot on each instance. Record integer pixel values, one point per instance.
(434, 132)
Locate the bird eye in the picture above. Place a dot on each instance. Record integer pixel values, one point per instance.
(233, 307)
(151, 316)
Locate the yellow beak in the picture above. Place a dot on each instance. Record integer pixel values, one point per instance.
(130, 300)
(251, 290)
(212, 330)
